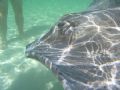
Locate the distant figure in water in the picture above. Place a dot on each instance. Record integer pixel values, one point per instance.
(18, 11)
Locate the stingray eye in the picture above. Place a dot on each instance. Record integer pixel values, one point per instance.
(62, 27)
(61, 24)
(73, 24)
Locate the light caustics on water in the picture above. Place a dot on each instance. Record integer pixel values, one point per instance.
(83, 50)
(13, 63)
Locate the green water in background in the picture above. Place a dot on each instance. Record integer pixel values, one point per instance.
(18, 72)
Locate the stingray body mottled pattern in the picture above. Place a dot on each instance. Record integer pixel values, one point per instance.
(83, 49)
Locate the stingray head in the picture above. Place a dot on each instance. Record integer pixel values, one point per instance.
(54, 44)
(65, 37)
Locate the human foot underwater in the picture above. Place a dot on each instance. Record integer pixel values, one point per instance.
(83, 49)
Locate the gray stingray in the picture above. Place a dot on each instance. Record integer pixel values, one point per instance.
(83, 49)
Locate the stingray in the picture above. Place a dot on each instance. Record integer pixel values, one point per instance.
(83, 49)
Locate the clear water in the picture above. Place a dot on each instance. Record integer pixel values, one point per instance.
(18, 72)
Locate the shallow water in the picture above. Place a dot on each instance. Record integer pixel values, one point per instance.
(18, 72)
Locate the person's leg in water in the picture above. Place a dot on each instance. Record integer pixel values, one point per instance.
(3, 23)
(18, 10)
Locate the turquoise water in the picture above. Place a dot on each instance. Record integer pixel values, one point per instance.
(18, 72)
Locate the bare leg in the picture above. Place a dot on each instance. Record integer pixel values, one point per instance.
(3, 23)
(18, 10)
